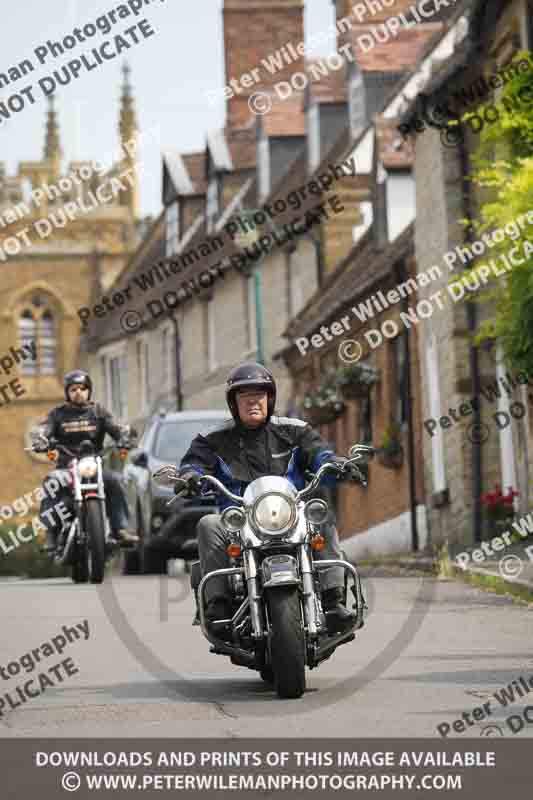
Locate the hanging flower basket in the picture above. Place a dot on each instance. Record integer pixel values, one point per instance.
(392, 459)
(391, 454)
(324, 415)
(325, 404)
(356, 380)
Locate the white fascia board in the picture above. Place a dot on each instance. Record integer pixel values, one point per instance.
(218, 147)
(421, 77)
(178, 172)
(363, 152)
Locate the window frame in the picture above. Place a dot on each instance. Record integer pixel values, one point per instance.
(142, 348)
(38, 312)
(168, 369)
(172, 228)
(109, 354)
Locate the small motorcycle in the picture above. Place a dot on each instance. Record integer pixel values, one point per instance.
(84, 542)
(278, 626)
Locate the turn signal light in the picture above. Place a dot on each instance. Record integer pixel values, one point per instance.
(233, 550)
(52, 455)
(123, 454)
(318, 542)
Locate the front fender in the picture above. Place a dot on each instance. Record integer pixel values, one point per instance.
(280, 570)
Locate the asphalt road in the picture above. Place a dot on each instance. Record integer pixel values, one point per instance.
(430, 651)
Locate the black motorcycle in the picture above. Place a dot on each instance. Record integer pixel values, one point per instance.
(85, 541)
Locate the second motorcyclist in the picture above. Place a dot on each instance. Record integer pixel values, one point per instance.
(69, 425)
(256, 444)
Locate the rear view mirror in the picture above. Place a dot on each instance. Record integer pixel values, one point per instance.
(362, 452)
(139, 458)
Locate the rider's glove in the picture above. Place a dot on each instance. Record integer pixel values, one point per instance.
(188, 484)
(39, 442)
(349, 471)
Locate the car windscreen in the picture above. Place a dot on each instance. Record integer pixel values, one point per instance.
(174, 438)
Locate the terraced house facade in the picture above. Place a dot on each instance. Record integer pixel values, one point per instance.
(302, 215)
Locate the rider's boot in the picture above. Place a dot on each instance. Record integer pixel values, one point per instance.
(338, 617)
(219, 608)
(50, 545)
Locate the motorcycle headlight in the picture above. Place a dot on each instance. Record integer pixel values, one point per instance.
(274, 514)
(233, 519)
(316, 512)
(87, 467)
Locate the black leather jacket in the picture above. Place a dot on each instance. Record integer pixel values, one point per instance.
(70, 425)
(236, 456)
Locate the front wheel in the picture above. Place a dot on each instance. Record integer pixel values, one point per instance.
(95, 527)
(287, 642)
(80, 562)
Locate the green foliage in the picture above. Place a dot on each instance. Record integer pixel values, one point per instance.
(504, 172)
(26, 561)
(392, 443)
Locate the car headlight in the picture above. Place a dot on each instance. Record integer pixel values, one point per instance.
(87, 467)
(233, 519)
(316, 512)
(274, 514)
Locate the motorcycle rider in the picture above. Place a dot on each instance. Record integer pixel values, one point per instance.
(255, 444)
(70, 424)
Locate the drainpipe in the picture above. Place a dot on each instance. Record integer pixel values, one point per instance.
(260, 354)
(177, 347)
(402, 276)
(471, 314)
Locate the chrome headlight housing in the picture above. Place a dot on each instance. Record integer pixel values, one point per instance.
(233, 519)
(274, 514)
(316, 512)
(87, 467)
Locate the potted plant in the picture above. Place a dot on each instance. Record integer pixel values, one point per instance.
(499, 509)
(356, 380)
(325, 404)
(390, 453)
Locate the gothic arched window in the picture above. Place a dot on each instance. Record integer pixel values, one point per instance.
(36, 323)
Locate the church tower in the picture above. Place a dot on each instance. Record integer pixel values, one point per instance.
(128, 135)
(52, 146)
(56, 246)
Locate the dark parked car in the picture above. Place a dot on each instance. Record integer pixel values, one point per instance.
(164, 531)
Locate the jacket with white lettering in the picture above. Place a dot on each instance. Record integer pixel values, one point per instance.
(237, 456)
(70, 424)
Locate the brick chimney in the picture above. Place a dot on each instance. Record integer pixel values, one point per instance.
(389, 53)
(256, 30)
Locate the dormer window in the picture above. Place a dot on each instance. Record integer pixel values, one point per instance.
(313, 137)
(212, 203)
(173, 229)
(357, 103)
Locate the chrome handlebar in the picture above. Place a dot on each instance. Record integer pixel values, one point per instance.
(170, 474)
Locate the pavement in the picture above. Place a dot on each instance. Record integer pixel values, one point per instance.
(514, 567)
(430, 650)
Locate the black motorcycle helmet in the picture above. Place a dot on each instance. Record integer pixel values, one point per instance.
(250, 375)
(77, 376)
